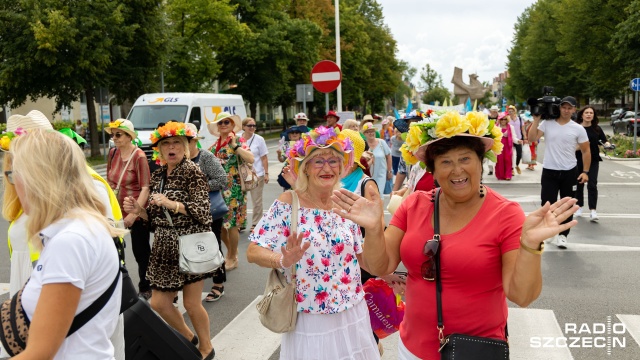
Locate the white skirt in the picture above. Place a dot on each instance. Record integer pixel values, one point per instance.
(346, 335)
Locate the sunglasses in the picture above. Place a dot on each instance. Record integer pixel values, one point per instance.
(251, 126)
(224, 122)
(430, 250)
(9, 175)
(318, 163)
(116, 135)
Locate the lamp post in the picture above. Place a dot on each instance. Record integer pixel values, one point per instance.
(339, 91)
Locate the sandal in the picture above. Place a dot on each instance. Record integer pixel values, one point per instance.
(213, 296)
(229, 265)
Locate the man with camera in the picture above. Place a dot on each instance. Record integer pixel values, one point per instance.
(562, 137)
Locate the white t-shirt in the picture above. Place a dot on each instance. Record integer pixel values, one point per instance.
(83, 255)
(560, 143)
(259, 149)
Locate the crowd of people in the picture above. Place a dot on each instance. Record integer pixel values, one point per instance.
(339, 173)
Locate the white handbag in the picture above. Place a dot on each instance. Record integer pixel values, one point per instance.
(199, 253)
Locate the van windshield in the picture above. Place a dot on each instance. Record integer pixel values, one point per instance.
(147, 117)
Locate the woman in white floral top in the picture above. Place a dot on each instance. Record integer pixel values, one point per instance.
(326, 250)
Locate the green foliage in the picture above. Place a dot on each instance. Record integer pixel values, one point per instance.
(430, 78)
(57, 125)
(438, 93)
(624, 147)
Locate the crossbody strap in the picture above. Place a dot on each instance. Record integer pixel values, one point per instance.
(436, 234)
(295, 206)
(166, 213)
(87, 314)
(125, 167)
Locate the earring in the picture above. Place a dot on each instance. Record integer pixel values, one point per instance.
(482, 190)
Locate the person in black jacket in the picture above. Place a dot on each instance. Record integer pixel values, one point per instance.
(588, 118)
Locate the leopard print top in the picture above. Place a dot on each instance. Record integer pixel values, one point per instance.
(188, 185)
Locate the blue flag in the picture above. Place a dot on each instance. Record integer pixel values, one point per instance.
(409, 108)
(395, 112)
(467, 106)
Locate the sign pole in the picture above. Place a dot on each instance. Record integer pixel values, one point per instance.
(304, 100)
(326, 103)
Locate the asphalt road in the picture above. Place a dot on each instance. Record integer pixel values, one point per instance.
(591, 286)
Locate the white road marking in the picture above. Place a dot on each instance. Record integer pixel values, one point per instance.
(527, 323)
(632, 324)
(244, 338)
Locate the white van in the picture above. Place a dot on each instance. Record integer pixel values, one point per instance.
(198, 109)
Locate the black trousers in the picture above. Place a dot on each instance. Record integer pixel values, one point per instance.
(220, 275)
(592, 185)
(518, 153)
(141, 251)
(558, 181)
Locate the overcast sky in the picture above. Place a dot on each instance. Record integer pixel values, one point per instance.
(473, 35)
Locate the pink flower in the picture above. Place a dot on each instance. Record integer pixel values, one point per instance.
(287, 232)
(299, 297)
(326, 277)
(345, 279)
(338, 248)
(317, 219)
(310, 262)
(348, 257)
(303, 220)
(261, 231)
(325, 261)
(321, 297)
(358, 289)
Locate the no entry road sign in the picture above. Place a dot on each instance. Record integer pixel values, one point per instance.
(326, 76)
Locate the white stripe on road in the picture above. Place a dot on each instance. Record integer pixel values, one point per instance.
(4, 288)
(180, 302)
(527, 323)
(244, 338)
(326, 76)
(632, 325)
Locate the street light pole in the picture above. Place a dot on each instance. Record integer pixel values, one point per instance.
(339, 91)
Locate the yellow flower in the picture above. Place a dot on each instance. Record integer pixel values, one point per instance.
(451, 124)
(478, 123)
(115, 124)
(4, 142)
(413, 138)
(496, 133)
(408, 156)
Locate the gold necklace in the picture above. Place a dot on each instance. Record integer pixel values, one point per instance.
(316, 204)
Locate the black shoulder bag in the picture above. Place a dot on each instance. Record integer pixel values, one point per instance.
(460, 346)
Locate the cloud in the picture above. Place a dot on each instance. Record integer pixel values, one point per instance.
(470, 34)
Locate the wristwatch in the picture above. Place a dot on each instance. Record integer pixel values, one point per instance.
(586, 172)
(236, 147)
(533, 251)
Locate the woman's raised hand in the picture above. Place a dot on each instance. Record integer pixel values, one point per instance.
(546, 222)
(294, 249)
(364, 212)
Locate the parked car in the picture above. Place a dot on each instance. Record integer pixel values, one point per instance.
(625, 124)
(617, 114)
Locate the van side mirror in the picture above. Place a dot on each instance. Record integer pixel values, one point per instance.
(196, 123)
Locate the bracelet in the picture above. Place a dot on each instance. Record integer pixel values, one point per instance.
(236, 147)
(281, 264)
(533, 251)
(177, 208)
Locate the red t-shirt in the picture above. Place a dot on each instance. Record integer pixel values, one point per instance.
(473, 300)
(136, 175)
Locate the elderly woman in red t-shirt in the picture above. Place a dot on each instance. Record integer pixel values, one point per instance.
(481, 264)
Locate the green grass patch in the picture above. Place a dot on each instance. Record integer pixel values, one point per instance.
(96, 160)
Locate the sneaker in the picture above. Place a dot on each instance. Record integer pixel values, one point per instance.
(594, 216)
(490, 172)
(518, 170)
(578, 213)
(561, 241)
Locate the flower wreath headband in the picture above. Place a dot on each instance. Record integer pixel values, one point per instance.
(7, 136)
(170, 129)
(447, 125)
(320, 138)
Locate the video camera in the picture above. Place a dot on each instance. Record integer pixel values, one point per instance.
(548, 106)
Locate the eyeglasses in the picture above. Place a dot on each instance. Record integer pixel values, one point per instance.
(318, 163)
(430, 250)
(116, 135)
(224, 122)
(251, 126)
(9, 175)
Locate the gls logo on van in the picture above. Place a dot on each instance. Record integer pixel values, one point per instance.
(210, 113)
(166, 100)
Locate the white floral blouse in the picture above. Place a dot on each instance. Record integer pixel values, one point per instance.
(328, 275)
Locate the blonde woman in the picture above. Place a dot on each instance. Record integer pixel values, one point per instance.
(351, 124)
(333, 320)
(180, 191)
(258, 148)
(78, 260)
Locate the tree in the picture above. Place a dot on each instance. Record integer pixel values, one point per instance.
(439, 93)
(625, 42)
(61, 49)
(430, 79)
(196, 39)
